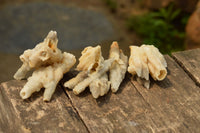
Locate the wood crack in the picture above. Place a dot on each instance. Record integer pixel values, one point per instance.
(73, 106)
(186, 71)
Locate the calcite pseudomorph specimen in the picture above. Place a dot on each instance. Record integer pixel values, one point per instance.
(147, 60)
(93, 71)
(48, 64)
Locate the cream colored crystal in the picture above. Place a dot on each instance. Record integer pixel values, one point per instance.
(118, 68)
(156, 62)
(93, 73)
(91, 59)
(144, 60)
(49, 63)
(74, 81)
(138, 62)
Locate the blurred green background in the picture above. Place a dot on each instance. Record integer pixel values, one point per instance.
(170, 25)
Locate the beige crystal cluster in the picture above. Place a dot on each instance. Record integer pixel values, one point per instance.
(93, 71)
(145, 60)
(48, 64)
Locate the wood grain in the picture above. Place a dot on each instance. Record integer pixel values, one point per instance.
(190, 62)
(174, 101)
(35, 115)
(9, 122)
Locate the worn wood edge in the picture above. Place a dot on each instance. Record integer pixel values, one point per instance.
(38, 98)
(9, 121)
(184, 68)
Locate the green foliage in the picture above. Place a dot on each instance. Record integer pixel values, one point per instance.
(111, 4)
(163, 28)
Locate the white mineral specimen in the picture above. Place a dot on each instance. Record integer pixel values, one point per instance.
(119, 66)
(49, 65)
(93, 69)
(144, 60)
(156, 62)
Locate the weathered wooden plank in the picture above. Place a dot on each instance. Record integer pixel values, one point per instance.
(175, 100)
(123, 112)
(34, 115)
(190, 62)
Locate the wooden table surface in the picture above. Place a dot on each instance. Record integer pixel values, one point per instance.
(172, 105)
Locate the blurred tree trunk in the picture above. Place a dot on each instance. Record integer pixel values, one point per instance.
(193, 29)
(186, 5)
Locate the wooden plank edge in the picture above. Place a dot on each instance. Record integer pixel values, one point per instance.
(185, 69)
(9, 122)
